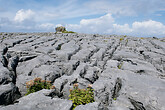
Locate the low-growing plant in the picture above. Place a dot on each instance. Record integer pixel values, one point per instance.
(81, 96)
(120, 65)
(68, 32)
(37, 84)
(121, 39)
(126, 41)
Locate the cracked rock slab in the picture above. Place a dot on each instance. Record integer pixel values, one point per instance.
(39, 101)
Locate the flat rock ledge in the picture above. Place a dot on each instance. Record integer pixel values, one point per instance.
(126, 73)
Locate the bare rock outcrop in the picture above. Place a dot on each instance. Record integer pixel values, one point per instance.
(60, 29)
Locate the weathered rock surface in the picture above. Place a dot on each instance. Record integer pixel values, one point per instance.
(39, 101)
(60, 29)
(8, 94)
(90, 106)
(126, 74)
(5, 75)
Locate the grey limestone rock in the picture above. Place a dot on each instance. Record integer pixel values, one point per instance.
(90, 106)
(39, 101)
(4, 61)
(8, 94)
(21, 83)
(126, 73)
(47, 72)
(4, 51)
(5, 75)
(137, 105)
(13, 62)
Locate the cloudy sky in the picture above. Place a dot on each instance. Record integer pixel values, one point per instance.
(143, 18)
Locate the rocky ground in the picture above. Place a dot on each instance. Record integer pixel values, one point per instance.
(126, 73)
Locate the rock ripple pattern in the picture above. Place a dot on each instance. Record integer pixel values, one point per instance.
(126, 73)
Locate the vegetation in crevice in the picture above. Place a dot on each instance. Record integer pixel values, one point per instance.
(121, 39)
(37, 84)
(81, 96)
(120, 65)
(117, 88)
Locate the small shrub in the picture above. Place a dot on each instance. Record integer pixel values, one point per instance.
(142, 38)
(81, 96)
(125, 36)
(37, 84)
(121, 39)
(120, 65)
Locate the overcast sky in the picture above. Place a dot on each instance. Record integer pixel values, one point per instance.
(143, 18)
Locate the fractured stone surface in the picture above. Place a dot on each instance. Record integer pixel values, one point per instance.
(125, 74)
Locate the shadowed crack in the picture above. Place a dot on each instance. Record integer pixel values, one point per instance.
(137, 105)
(54, 42)
(117, 88)
(76, 65)
(55, 93)
(114, 48)
(63, 84)
(59, 46)
(76, 51)
(27, 58)
(4, 51)
(4, 61)
(127, 60)
(92, 53)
